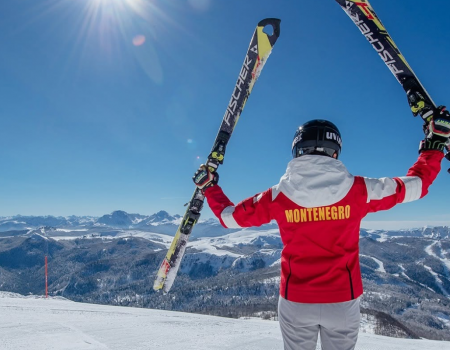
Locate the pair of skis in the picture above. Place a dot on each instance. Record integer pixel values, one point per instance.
(261, 44)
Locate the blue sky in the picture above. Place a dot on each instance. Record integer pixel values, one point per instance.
(94, 118)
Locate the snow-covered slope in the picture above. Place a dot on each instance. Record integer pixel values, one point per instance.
(40, 324)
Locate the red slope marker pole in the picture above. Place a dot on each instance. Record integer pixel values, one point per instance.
(46, 278)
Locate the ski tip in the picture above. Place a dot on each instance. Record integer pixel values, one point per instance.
(158, 284)
(274, 22)
(166, 288)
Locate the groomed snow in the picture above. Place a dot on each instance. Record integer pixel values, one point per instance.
(380, 267)
(57, 324)
(429, 251)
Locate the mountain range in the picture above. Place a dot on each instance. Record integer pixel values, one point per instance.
(160, 222)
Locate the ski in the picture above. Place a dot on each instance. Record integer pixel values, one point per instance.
(258, 52)
(364, 17)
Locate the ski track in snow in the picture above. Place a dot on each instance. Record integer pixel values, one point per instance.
(379, 262)
(410, 279)
(429, 251)
(57, 324)
(445, 261)
(437, 279)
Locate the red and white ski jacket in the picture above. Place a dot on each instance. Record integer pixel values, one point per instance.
(318, 206)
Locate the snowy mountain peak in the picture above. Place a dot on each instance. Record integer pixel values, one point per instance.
(119, 213)
(162, 215)
(118, 218)
(122, 219)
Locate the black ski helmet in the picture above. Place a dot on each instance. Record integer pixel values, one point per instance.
(317, 137)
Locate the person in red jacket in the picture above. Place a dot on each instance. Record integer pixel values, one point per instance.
(318, 206)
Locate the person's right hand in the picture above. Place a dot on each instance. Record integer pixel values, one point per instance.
(204, 178)
(437, 131)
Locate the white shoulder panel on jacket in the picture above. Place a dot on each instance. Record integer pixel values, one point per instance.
(314, 181)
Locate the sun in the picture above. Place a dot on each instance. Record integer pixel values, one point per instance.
(109, 32)
(116, 26)
(109, 22)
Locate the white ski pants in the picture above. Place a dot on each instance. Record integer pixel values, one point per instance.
(338, 324)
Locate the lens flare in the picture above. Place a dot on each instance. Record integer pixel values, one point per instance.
(138, 40)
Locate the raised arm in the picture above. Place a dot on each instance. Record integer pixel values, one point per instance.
(253, 211)
(384, 193)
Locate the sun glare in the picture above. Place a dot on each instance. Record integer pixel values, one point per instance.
(114, 21)
(113, 24)
(107, 32)
(122, 7)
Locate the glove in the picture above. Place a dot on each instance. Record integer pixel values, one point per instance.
(437, 131)
(204, 178)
